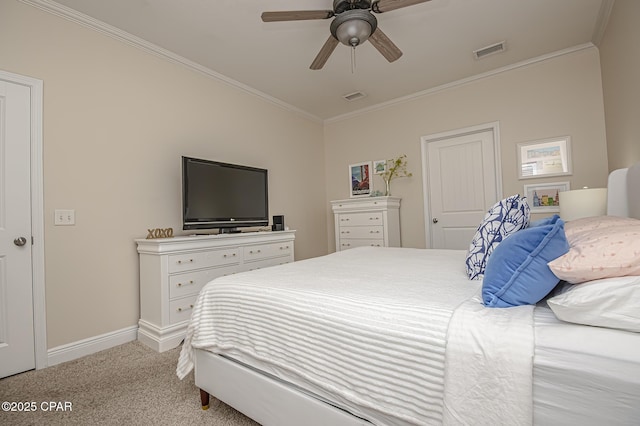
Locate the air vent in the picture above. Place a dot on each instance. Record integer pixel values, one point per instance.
(354, 96)
(489, 50)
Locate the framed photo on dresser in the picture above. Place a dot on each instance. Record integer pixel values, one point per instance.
(360, 179)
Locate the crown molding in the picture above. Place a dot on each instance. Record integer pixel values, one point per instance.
(123, 36)
(603, 20)
(57, 9)
(460, 82)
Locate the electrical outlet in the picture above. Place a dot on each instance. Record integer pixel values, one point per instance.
(64, 217)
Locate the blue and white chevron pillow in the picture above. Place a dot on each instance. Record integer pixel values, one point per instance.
(503, 219)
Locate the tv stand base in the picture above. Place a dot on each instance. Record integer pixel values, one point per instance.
(229, 231)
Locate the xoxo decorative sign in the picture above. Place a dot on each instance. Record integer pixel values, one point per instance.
(159, 233)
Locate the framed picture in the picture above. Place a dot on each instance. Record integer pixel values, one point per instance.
(549, 157)
(544, 197)
(379, 166)
(360, 179)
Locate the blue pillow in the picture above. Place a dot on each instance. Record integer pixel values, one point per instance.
(545, 221)
(503, 219)
(517, 272)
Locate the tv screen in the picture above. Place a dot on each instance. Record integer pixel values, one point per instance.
(224, 196)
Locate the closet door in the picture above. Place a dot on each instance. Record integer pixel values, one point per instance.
(462, 183)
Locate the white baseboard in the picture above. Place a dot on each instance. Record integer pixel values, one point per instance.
(91, 345)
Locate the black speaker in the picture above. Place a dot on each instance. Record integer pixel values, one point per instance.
(278, 223)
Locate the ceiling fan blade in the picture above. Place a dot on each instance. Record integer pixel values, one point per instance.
(296, 15)
(380, 41)
(381, 6)
(325, 52)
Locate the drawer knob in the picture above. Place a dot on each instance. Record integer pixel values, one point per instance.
(190, 282)
(184, 309)
(189, 261)
(374, 232)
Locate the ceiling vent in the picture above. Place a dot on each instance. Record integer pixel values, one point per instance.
(490, 50)
(354, 96)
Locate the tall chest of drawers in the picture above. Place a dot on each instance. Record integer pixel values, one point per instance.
(372, 221)
(174, 270)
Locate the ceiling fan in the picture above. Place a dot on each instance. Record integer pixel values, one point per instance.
(354, 24)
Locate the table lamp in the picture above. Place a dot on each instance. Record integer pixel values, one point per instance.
(586, 202)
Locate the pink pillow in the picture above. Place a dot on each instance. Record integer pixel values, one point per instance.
(600, 252)
(577, 226)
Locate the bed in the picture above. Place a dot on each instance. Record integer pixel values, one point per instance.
(399, 336)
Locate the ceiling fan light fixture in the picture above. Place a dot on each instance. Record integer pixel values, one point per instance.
(354, 32)
(353, 27)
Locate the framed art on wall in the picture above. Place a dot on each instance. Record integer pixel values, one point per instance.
(379, 166)
(360, 179)
(544, 197)
(548, 157)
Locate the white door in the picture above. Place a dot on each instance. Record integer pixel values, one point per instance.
(462, 180)
(17, 349)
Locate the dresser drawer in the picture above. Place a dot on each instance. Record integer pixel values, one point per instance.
(351, 243)
(180, 309)
(361, 232)
(265, 263)
(263, 251)
(203, 259)
(360, 219)
(190, 283)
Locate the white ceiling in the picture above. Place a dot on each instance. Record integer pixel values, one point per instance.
(228, 39)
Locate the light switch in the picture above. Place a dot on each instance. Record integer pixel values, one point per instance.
(64, 217)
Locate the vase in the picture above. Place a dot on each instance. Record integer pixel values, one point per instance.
(387, 190)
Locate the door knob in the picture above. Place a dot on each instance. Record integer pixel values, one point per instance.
(20, 241)
(435, 220)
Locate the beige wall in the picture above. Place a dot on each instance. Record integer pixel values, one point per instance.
(620, 61)
(560, 96)
(116, 121)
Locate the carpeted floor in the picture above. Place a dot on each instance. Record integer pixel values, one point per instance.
(127, 385)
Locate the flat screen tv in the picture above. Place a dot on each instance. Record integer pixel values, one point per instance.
(223, 196)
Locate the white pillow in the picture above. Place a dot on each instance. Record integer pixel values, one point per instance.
(609, 302)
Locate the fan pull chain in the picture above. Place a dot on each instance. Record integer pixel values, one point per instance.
(353, 60)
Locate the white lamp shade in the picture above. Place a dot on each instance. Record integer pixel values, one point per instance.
(580, 203)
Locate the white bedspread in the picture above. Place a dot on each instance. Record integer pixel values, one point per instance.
(365, 328)
(489, 366)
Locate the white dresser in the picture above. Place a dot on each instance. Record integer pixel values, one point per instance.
(174, 270)
(371, 221)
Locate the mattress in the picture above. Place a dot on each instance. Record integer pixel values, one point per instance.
(584, 375)
(366, 330)
(396, 336)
